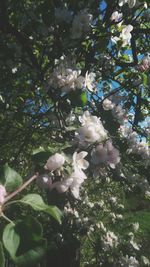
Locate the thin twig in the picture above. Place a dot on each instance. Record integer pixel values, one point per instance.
(21, 188)
(6, 218)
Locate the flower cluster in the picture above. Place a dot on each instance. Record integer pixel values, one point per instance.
(116, 16)
(131, 3)
(91, 130)
(55, 162)
(117, 111)
(106, 154)
(125, 35)
(140, 148)
(68, 78)
(73, 181)
(110, 240)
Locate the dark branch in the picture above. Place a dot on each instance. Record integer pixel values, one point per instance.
(138, 108)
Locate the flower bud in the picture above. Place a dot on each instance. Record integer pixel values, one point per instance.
(2, 193)
(54, 162)
(44, 181)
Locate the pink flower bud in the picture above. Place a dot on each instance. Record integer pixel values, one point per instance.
(2, 193)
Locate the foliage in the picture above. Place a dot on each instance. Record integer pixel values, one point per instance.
(75, 132)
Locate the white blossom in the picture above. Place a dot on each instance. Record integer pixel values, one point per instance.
(110, 240)
(140, 148)
(79, 161)
(78, 177)
(91, 130)
(131, 3)
(107, 104)
(116, 16)
(54, 162)
(89, 81)
(125, 35)
(14, 70)
(119, 113)
(66, 78)
(71, 118)
(73, 182)
(124, 130)
(134, 244)
(129, 261)
(135, 226)
(147, 194)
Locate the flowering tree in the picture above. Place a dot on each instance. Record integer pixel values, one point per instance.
(74, 188)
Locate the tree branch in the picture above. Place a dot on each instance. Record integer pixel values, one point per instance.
(21, 188)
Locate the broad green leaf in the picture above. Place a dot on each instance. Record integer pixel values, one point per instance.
(10, 178)
(32, 245)
(32, 256)
(11, 239)
(2, 257)
(37, 203)
(24, 241)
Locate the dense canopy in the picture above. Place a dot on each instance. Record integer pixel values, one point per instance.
(75, 133)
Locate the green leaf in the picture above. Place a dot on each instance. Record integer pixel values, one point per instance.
(37, 203)
(32, 245)
(84, 98)
(145, 79)
(11, 239)
(24, 241)
(2, 257)
(10, 178)
(38, 150)
(77, 98)
(33, 256)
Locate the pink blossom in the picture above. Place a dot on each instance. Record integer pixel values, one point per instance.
(2, 193)
(99, 154)
(106, 153)
(112, 155)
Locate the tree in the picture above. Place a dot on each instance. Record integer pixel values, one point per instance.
(74, 122)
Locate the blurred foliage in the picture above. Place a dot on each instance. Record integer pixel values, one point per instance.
(33, 122)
